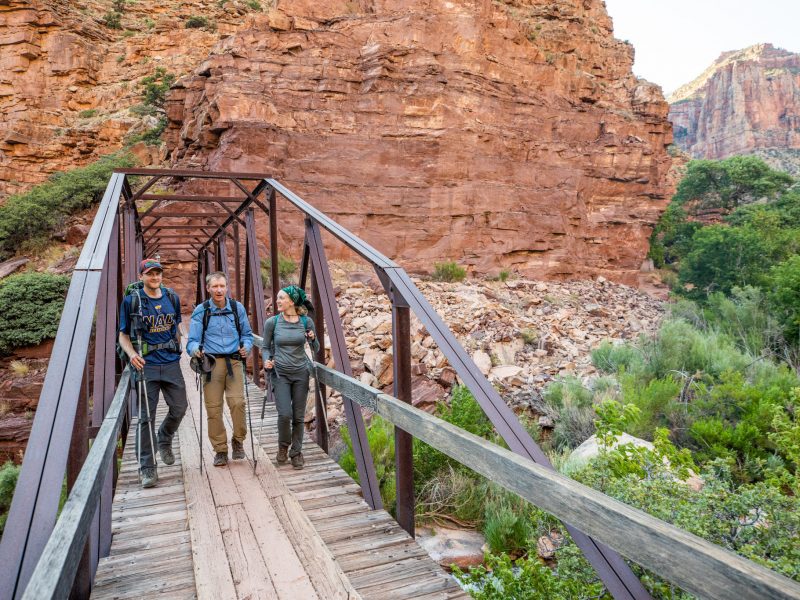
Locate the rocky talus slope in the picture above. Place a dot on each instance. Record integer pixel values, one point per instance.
(522, 334)
(747, 102)
(498, 134)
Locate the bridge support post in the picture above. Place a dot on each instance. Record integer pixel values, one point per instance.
(355, 422)
(78, 451)
(257, 289)
(275, 275)
(403, 441)
(320, 410)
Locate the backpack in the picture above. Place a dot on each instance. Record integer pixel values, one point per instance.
(207, 317)
(133, 290)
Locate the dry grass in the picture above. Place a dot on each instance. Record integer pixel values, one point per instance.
(5, 408)
(19, 368)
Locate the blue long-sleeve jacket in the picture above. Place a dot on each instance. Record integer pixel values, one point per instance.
(221, 335)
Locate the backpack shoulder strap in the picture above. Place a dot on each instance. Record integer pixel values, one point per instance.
(235, 311)
(206, 316)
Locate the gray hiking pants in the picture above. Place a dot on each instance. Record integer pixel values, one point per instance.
(291, 393)
(167, 379)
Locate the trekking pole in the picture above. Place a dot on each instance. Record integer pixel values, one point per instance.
(150, 424)
(199, 383)
(137, 379)
(269, 392)
(249, 416)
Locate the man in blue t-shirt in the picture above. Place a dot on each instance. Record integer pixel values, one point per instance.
(149, 335)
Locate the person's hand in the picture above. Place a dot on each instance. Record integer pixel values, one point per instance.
(198, 353)
(268, 364)
(137, 362)
(243, 352)
(310, 335)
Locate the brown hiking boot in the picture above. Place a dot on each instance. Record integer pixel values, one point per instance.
(297, 461)
(283, 454)
(220, 459)
(238, 450)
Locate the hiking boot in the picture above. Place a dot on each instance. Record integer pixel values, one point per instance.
(297, 461)
(220, 459)
(149, 477)
(238, 450)
(283, 454)
(167, 457)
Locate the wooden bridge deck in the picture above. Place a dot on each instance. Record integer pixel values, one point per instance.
(278, 533)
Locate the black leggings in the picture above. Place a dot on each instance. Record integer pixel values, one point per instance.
(291, 393)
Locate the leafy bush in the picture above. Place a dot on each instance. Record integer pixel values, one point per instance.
(448, 271)
(28, 218)
(155, 87)
(88, 114)
(785, 295)
(286, 268)
(8, 481)
(195, 22)
(575, 425)
(568, 391)
(610, 358)
(113, 20)
(254, 5)
(380, 436)
(31, 304)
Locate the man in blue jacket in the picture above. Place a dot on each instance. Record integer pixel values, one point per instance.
(217, 330)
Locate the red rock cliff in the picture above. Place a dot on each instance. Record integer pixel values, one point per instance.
(498, 134)
(747, 101)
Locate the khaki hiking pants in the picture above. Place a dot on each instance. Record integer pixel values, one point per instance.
(231, 387)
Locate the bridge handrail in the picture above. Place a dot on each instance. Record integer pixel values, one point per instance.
(58, 564)
(682, 558)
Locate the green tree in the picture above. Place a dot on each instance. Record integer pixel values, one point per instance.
(785, 295)
(730, 183)
(722, 258)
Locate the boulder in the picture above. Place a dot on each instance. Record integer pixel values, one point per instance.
(460, 547)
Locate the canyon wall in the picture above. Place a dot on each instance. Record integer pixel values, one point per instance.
(747, 102)
(502, 135)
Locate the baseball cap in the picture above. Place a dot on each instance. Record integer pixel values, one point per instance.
(148, 265)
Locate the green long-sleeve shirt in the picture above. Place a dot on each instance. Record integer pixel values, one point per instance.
(284, 342)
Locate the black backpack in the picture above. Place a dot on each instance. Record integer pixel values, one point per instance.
(207, 317)
(137, 322)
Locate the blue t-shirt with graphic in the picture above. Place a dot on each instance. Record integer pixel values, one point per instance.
(160, 320)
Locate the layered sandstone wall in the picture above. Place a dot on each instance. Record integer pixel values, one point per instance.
(747, 101)
(498, 134)
(67, 81)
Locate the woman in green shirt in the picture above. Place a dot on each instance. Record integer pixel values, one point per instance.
(289, 368)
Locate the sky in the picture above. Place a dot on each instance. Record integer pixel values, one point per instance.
(675, 40)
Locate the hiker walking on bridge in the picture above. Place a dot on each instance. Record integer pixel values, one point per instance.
(149, 335)
(289, 368)
(219, 327)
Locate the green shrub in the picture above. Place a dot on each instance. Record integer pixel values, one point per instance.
(575, 425)
(286, 268)
(530, 336)
(31, 305)
(529, 579)
(8, 481)
(254, 5)
(506, 527)
(28, 218)
(155, 87)
(380, 436)
(195, 22)
(464, 412)
(448, 271)
(504, 275)
(568, 391)
(657, 401)
(610, 358)
(112, 20)
(88, 114)
(785, 295)
(151, 137)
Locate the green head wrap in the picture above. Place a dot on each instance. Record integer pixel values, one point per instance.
(297, 294)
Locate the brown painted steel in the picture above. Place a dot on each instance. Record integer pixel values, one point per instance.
(237, 259)
(404, 461)
(78, 450)
(275, 281)
(320, 408)
(192, 174)
(355, 421)
(257, 289)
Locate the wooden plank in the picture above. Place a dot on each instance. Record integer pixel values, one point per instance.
(244, 555)
(282, 563)
(211, 569)
(692, 563)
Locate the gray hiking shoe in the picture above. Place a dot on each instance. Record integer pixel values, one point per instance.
(149, 477)
(238, 450)
(297, 461)
(283, 454)
(167, 457)
(220, 459)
